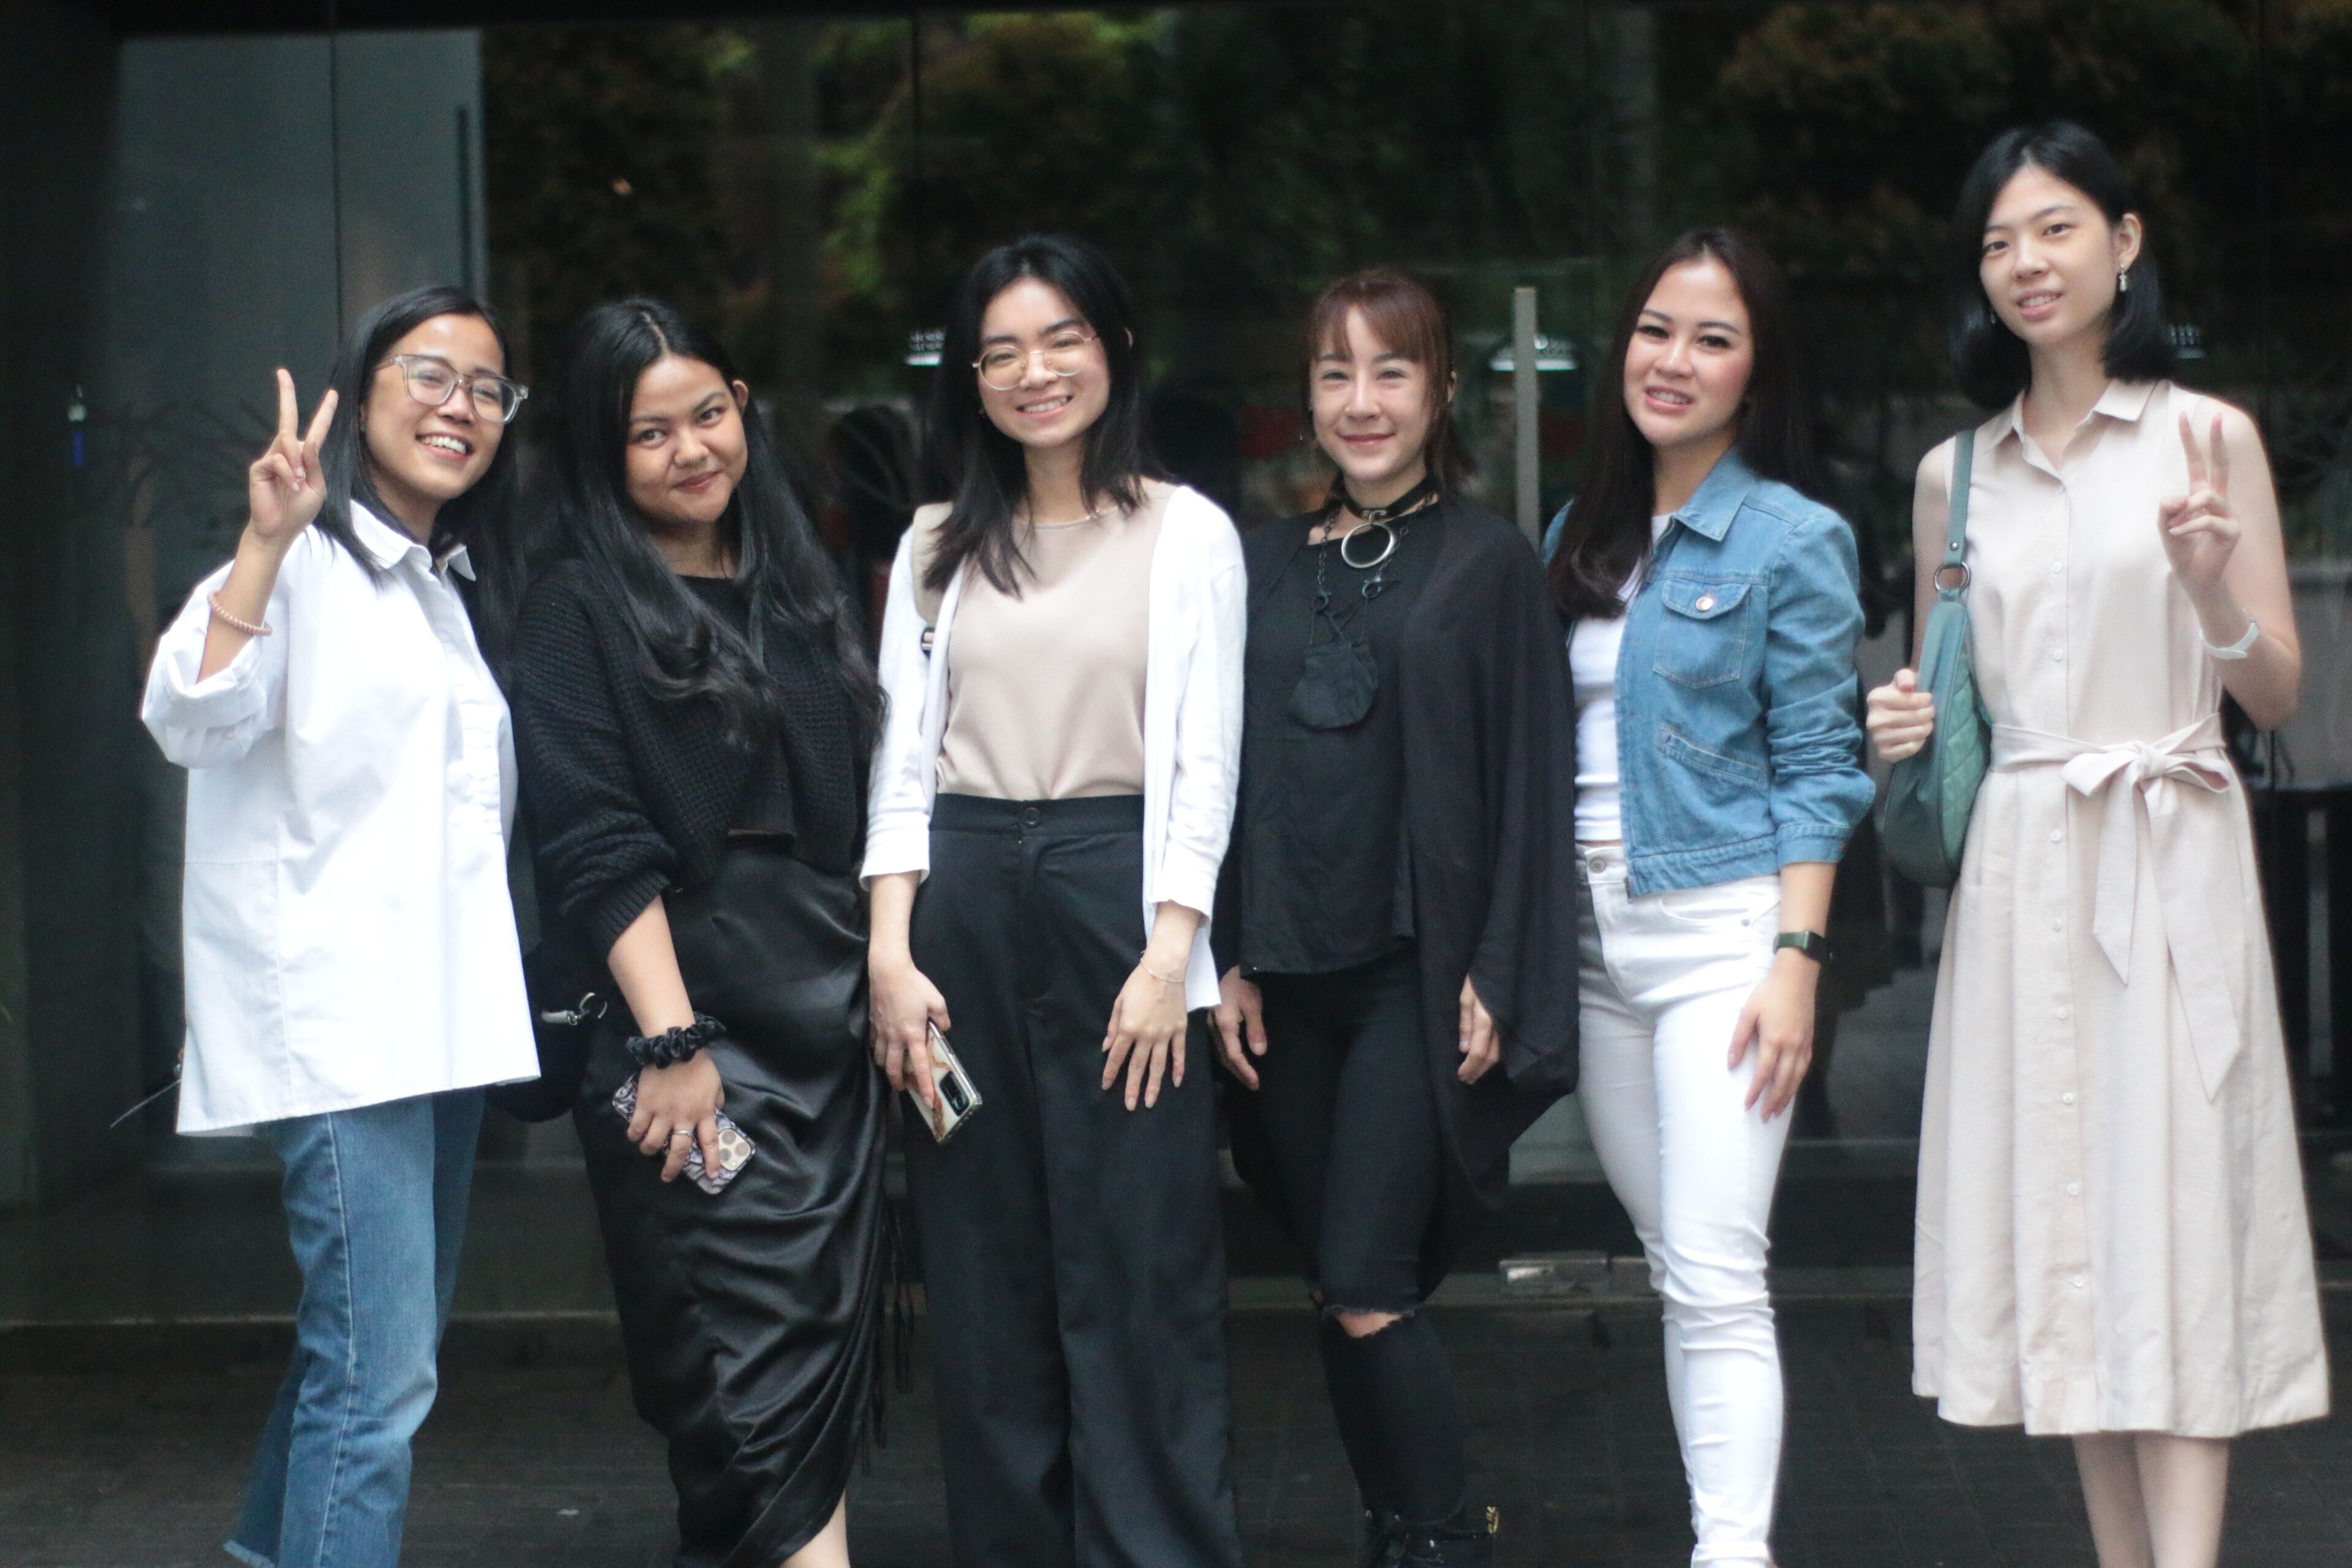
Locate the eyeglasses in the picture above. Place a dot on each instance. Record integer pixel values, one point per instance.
(1002, 367)
(431, 381)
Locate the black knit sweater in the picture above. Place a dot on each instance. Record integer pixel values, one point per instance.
(626, 794)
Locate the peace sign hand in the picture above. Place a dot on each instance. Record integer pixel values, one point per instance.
(288, 484)
(2200, 530)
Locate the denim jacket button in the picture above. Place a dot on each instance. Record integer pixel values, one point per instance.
(1706, 602)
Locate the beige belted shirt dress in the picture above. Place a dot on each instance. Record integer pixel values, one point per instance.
(2110, 1227)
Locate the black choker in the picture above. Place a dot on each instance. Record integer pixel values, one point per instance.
(1338, 500)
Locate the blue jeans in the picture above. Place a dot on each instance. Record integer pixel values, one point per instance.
(375, 1205)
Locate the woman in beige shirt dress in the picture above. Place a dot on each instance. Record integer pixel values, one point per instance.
(2112, 1241)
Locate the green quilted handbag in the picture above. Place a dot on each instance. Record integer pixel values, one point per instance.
(1924, 825)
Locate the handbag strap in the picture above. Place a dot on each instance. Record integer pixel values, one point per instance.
(1955, 523)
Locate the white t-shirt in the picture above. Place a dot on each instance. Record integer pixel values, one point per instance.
(1592, 668)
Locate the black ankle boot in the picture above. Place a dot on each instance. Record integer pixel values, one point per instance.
(1383, 1540)
(1464, 1540)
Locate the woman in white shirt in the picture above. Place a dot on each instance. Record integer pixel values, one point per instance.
(352, 975)
(1061, 655)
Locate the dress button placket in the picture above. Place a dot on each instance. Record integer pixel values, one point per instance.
(2070, 1251)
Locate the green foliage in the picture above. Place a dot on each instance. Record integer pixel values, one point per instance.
(601, 161)
(1231, 159)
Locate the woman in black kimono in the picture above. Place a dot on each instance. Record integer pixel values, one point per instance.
(693, 715)
(1399, 899)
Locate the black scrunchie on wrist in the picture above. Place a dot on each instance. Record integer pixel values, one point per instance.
(672, 1047)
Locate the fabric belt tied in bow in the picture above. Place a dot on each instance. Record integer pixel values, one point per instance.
(2203, 931)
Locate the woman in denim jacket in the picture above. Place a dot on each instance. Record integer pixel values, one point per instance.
(1716, 611)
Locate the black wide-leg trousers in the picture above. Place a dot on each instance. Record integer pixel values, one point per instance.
(1073, 1252)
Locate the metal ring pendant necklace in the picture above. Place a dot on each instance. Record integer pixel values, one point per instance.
(1340, 676)
(1384, 518)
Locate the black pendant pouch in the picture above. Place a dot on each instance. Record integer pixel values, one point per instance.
(1337, 685)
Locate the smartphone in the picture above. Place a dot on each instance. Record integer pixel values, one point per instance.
(735, 1150)
(957, 1096)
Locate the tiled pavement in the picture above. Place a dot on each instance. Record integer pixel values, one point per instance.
(125, 1448)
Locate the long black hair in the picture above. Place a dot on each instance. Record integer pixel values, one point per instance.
(482, 520)
(986, 466)
(1991, 360)
(685, 651)
(1608, 530)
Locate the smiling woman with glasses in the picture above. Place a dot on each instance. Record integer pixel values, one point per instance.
(352, 975)
(1062, 654)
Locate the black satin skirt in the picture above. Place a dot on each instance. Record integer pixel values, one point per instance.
(751, 1320)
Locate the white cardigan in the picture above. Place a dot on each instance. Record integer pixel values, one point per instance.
(1191, 719)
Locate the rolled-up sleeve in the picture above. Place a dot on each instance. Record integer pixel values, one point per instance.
(214, 719)
(1814, 726)
(898, 807)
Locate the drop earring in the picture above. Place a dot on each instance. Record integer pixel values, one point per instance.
(2123, 280)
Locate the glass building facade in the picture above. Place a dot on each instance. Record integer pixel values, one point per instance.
(198, 199)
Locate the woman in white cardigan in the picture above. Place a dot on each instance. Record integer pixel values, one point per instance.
(1061, 656)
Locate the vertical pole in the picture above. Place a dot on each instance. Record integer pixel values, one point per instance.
(466, 272)
(1525, 401)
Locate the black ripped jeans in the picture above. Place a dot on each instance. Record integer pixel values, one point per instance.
(1350, 1113)
(1345, 1098)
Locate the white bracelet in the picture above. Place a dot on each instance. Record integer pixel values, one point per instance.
(2239, 650)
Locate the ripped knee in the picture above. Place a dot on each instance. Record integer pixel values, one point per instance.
(1360, 1324)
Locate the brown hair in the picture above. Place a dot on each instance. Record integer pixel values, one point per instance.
(1407, 318)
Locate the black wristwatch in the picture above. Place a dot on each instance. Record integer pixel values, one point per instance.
(1812, 943)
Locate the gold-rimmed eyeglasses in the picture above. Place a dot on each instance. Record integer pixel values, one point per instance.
(1001, 366)
(431, 381)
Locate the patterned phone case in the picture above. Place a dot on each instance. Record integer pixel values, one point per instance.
(735, 1151)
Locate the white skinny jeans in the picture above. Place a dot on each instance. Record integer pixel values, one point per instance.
(1662, 980)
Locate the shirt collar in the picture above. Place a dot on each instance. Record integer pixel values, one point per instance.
(1718, 497)
(2124, 400)
(385, 546)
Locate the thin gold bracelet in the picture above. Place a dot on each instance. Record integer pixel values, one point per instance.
(1144, 963)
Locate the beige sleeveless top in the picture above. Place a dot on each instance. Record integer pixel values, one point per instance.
(1045, 690)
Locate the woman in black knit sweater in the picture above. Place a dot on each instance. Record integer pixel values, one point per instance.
(693, 716)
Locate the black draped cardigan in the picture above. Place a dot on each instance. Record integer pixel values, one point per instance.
(1489, 737)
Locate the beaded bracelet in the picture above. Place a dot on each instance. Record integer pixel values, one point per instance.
(672, 1047)
(250, 629)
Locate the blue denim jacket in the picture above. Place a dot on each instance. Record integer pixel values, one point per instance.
(1739, 729)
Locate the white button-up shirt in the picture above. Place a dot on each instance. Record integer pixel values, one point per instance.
(348, 933)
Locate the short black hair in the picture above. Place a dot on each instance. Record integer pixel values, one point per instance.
(1989, 360)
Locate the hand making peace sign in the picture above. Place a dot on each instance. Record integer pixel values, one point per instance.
(288, 484)
(2201, 531)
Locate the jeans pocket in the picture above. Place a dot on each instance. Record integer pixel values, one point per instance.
(1745, 904)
